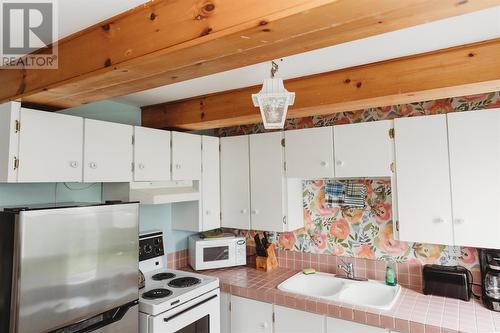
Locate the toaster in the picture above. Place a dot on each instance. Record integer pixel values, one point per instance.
(447, 281)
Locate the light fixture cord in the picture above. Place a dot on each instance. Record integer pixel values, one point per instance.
(274, 69)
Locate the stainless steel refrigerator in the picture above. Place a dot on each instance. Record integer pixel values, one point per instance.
(70, 269)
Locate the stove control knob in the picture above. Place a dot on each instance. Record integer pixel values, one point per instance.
(148, 248)
(157, 241)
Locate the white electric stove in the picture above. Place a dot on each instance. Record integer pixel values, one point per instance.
(174, 301)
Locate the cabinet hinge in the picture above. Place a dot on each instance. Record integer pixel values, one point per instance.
(393, 167)
(15, 163)
(220, 147)
(284, 219)
(283, 142)
(230, 306)
(284, 166)
(274, 317)
(392, 133)
(132, 166)
(397, 225)
(17, 126)
(133, 140)
(220, 216)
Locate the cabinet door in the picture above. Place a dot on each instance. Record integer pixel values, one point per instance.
(423, 179)
(9, 141)
(210, 183)
(309, 153)
(151, 154)
(334, 325)
(475, 177)
(294, 321)
(363, 150)
(235, 182)
(186, 156)
(225, 314)
(108, 152)
(267, 182)
(50, 147)
(249, 316)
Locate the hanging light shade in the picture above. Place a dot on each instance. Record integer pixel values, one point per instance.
(273, 101)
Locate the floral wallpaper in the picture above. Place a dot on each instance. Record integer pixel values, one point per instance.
(455, 104)
(368, 232)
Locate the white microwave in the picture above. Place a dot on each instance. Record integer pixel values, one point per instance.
(209, 253)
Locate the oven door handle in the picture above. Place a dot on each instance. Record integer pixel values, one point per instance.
(190, 308)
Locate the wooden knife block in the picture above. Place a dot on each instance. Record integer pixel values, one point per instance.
(269, 263)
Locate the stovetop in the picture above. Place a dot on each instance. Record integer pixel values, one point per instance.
(176, 288)
(166, 289)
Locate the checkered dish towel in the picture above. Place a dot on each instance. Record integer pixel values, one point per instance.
(355, 195)
(334, 194)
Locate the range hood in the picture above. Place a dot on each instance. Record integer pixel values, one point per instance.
(154, 193)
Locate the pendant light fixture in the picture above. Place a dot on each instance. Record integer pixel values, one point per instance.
(273, 101)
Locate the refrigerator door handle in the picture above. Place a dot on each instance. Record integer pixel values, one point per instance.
(100, 321)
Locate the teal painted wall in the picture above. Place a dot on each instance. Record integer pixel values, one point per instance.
(152, 217)
(24, 194)
(108, 111)
(159, 217)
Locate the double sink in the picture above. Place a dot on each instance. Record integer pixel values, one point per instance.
(370, 293)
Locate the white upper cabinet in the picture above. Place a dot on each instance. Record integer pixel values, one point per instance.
(186, 156)
(50, 147)
(295, 321)
(423, 179)
(151, 154)
(108, 152)
(235, 182)
(474, 139)
(210, 183)
(363, 150)
(267, 182)
(309, 153)
(9, 141)
(39, 146)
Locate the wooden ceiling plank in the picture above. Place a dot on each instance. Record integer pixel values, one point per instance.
(164, 42)
(457, 71)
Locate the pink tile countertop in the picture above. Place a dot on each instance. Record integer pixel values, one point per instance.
(413, 312)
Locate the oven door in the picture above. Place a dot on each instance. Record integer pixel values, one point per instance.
(215, 254)
(201, 315)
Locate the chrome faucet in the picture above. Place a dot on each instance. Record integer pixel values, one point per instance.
(348, 268)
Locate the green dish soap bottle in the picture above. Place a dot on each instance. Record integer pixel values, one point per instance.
(390, 275)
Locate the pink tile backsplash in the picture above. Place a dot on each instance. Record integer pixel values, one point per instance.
(409, 274)
(177, 260)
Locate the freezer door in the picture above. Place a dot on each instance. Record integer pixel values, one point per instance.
(75, 263)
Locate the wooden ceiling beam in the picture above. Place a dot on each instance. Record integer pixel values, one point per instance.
(458, 71)
(163, 42)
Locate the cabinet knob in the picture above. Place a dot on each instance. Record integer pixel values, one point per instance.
(177, 166)
(340, 163)
(439, 220)
(264, 325)
(93, 165)
(73, 164)
(255, 212)
(459, 221)
(141, 166)
(208, 212)
(243, 211)
(324, 164)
